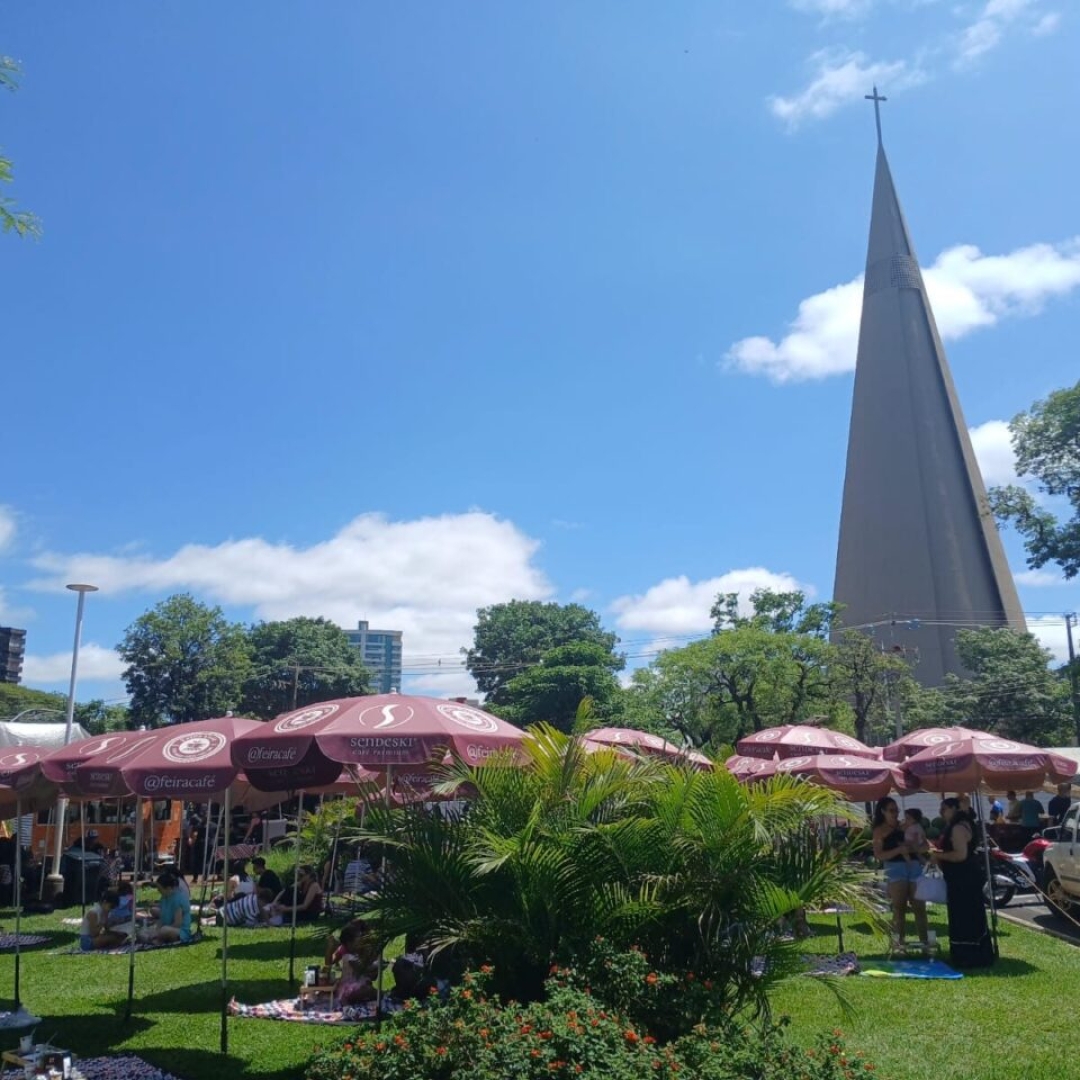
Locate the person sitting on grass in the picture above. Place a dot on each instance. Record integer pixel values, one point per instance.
(174, 914)
(309, 898)
(250, 910)
(358, 955)
(265, 878)
(95, 932)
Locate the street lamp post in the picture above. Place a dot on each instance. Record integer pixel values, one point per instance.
(55, 879)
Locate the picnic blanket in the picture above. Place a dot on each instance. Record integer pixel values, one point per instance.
(843, 964)
(9, 941)
(289, 1009)
(120, 1067)
(909, 969)
(123, 950)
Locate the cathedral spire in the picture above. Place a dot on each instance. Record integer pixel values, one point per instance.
(919, 554)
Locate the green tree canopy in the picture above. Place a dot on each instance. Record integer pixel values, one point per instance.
(1011, 690)
(185, 661)
(11, 218)
(511, 637)
(300, 661)
(1046, 439)
(553, 690)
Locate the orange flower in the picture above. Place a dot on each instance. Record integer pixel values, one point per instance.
(380, 1046)
(484, 1033)
(399, 1040)
(652, 978)
(630, 1036)
(534, 1053)
(545, 1034)
(649, 1040)
(440, 1050)
(467, 995)
(486, 969)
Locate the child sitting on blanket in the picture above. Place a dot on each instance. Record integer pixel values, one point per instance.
(94, 932)
(358, 955)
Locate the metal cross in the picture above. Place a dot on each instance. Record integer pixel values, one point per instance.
(877, 99)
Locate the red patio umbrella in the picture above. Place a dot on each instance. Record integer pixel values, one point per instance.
(856, 778)
(987, 760)
(916, 741)
(750, 768)
(800, 740)
(644, 742)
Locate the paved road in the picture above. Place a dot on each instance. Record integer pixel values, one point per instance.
(1032, 911)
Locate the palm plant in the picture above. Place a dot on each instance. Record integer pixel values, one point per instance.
(573, 844)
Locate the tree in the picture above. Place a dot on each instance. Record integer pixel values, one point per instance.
(1011, 691)
(98, 717)
(511, 637)
(300, 661)
(553, 690)
(1047, 444)
(12, 219)
(185, 661)
(864, 677)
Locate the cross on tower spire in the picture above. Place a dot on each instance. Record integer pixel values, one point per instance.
(877, 99)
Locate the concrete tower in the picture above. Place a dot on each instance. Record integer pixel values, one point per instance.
(919, 553)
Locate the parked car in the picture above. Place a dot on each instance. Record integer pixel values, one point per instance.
(1061, 863)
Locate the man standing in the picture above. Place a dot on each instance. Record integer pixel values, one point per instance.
(1060, 804)
(1031, 811)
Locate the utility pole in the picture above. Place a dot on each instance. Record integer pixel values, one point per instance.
(1074, 675)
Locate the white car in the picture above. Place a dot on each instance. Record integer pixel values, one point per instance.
(1061, 862)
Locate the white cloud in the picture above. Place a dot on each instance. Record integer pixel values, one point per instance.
(1047, 24)
(7, 527)
(680, 606)
(1039, 579)
(1050, 630)
(968, 290)
(11, 614)
(995, 19)
(833, 8)
(992, 443)
(841, 76)
(425, 577)
(96, 664)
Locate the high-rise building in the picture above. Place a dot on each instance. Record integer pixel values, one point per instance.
(919, 554)
(12, 650)
(381, 653)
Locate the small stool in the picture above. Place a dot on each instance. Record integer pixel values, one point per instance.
(310, 995)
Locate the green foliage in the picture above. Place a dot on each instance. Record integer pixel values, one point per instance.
(98, 717)
(1011, 691)
(12, 219)
(572, 1033)
(691, 866)
(16, 699)
(1046, 439)
(552, 691)
(185, 661)
(298, 662)
(865, 677)
(511, 637)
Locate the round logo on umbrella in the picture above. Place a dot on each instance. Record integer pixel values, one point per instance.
(194, 746)
(1000, 744)
(13, 761)
(385, 717)
(305, 718)
(791, 763)
(470, 719)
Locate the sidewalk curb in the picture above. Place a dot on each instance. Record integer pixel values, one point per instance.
(1016, 921)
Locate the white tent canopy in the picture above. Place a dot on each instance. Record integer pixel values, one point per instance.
(40, 736)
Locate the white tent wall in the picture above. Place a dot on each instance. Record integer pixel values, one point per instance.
(40, 736)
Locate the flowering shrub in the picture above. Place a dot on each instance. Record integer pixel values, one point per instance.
(570, 1034)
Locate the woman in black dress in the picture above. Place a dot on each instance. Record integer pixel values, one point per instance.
(970, 944)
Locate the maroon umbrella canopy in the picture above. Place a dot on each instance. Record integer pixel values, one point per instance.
(185, 761)
(997, 763)
(800, 740)
(914, 742)
(21, 777)
(857, 778)
(381, 730)
(750, 768)
(59, 765)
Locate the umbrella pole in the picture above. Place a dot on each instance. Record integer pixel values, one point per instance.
(225, 952)
(295, 891)
(41, 876)
(82, 861)
(382, 910)
(989, 871)
(18, 897)
(134, 904)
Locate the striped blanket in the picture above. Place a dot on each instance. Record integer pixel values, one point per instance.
(9, 941)
(289, 1009)
(123, 950)
(120, 1067)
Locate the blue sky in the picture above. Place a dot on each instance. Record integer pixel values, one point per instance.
(395, 311)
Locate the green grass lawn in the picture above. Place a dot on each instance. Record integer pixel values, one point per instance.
(176, 1018)
(1016, 1020)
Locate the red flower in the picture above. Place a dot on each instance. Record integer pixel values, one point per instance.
(440, 1050)
(708, 984)
(399, 1040)
(534, 1053)
(486, 969)
(466, 994)
(630, 1036)
(649, 1040)
(652, 978)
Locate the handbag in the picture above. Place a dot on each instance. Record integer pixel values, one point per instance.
(930, 888)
